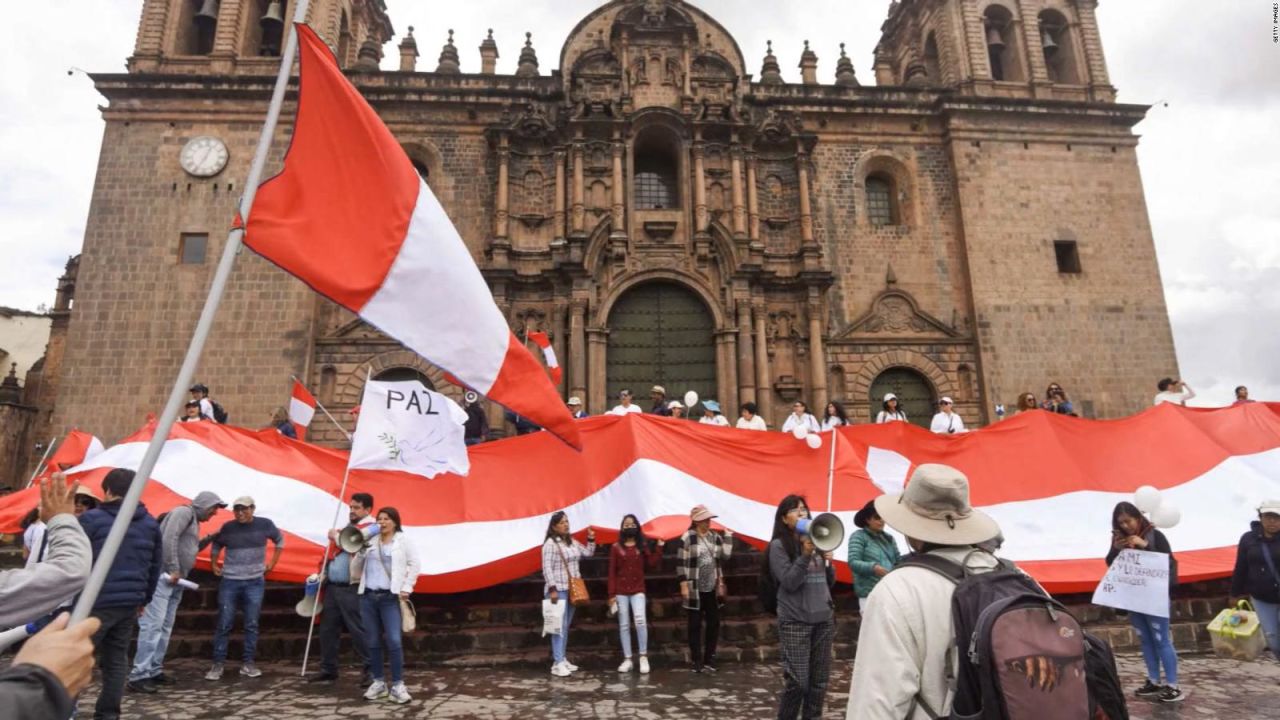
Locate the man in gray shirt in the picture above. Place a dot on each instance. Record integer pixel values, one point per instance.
(243, 581)
(180, 542)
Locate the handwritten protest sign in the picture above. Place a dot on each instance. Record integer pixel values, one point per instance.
(1138, 581)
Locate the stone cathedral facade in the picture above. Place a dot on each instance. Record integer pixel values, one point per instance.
(966, 219)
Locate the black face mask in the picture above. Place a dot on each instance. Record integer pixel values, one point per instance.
(630, 533)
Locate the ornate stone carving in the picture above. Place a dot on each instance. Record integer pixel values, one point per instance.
(895, 313)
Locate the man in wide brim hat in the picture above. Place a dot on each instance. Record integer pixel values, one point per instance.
(907, 636)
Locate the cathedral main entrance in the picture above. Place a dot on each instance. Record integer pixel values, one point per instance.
(661, 334)
(915, 396)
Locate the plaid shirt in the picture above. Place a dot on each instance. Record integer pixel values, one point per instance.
(687, 567)
(560, 562)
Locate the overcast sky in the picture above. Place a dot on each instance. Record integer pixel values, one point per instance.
(1210, 160)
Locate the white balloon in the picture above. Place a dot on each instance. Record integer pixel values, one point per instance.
(800, 431)
(1146, 498)
(690, 399)
(814, 441)
(1166, 516)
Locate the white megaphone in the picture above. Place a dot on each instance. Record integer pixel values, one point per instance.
(310, 604)
(826, 531)
(353, 539)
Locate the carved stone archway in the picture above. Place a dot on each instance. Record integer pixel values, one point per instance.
(350, 388)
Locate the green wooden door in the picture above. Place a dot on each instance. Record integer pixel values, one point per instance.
(915, 395)
(661, 334)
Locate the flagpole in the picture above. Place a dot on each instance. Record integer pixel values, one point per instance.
(324, 560)
(177, 394)
(326, 412)
(43, 458)
(831, 468)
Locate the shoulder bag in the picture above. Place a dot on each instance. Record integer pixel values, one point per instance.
(408, 613)
(578, 594)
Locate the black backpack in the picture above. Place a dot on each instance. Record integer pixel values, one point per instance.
(767, 586)
(1021, 653)
(219, 414)
(1106, 694)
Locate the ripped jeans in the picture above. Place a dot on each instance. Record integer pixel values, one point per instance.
(1157, 647)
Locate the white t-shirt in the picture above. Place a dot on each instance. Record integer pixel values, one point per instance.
(1177, 398)
(32, 539)
(831, 423)
(716, 420)
(888, 417)
(755, 423)
(793, 420)
(206, 408)
(624, 409)
(945, 424)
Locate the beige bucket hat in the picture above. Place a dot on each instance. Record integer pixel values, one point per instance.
(935, 508)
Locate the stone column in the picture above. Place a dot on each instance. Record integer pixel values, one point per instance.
(619, 199)
(753, 200)
(501, 225)
(626, 67)
(557, 341)
(817, 359)
(746, 358)
(578, 349)
(579, 186)
(597, 391)
(739, 212)
(701, 217)
(764, 384)
(724, 361)
(558, 222)
(806, 205)
(728, 374)
(687, 89)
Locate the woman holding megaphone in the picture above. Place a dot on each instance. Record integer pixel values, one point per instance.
(806, 626)
(388, 569)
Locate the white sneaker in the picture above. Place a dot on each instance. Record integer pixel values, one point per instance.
(644, 665)
(399, 694)
(559, 670)
(250, 670)
(376, 691)
(625, 667)
(215, 672)
(570, 666)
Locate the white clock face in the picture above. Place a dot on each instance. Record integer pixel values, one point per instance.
(204, 156)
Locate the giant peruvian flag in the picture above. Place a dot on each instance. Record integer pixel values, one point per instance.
(350, 217)
(1049, 480)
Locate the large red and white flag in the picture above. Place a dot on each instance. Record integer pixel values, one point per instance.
(548, 354)
(74, 449)
(302, 408)
(1049, 480)
(350, 217)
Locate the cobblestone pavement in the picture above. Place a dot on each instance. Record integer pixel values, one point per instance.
(1217, 689)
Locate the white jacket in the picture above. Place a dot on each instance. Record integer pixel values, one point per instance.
(808, 420)
(907, 643)
(404, 562)
(944, 424)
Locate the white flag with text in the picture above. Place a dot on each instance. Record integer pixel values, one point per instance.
(404, 426)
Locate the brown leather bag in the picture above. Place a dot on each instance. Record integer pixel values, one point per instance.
(578, 594)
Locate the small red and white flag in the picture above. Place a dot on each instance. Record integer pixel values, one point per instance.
(549, 354)
(302, 408)
(350, 217)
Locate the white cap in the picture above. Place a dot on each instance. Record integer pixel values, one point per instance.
(1270, 506)
(674, 404)
(658, 389)
(575, 401)
(946, 400)
(890, 396)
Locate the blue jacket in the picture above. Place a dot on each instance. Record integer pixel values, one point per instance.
(136, 569)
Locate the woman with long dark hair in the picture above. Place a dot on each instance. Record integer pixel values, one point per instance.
(628, 560)
(702, 585)
(1056, 400)
(560, 556)
(834, 416)
(806, 626)
(892, 410)
(388, 569)
(1130, 529)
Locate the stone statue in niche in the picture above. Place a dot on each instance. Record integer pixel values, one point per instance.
(674, 75)
(637, 72)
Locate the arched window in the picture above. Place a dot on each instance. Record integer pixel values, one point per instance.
(1003, 47)
(197, 24)
(328, 383)
(932, 64)
(264, 27)
(882, 206)
(1059, 50)
(656, 164)
(915, 394)
(424, 172)
(404, 374)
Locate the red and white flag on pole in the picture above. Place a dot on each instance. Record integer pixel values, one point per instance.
(350, 217)
(302, 408)
(549, 354)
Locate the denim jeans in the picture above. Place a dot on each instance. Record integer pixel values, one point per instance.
(1269, 618)
(1157, 647)
(233, 595)
(381, 613)
(560, 643)
(341, 609)
(154, 628)
(111, 646)
(630, 606)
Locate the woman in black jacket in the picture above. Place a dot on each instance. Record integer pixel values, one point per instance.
(1257, 560)
(1131, 530)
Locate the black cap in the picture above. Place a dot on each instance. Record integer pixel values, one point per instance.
(200, 388)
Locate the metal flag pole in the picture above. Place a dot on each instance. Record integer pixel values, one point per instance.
(831, 467)
(43, 458)
(326, 412)
(177, 395)
(324, 560)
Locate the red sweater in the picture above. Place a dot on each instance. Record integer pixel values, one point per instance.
(626, 568)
